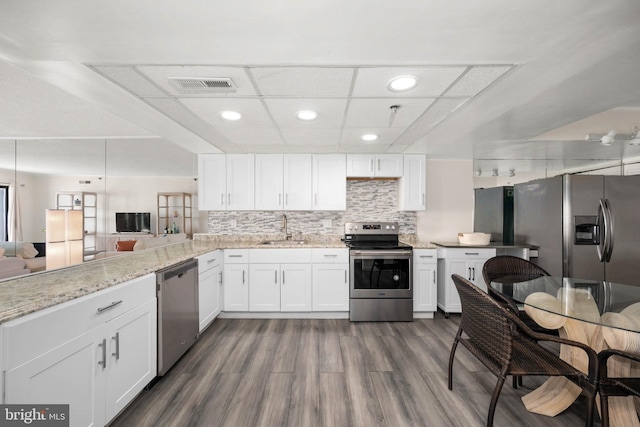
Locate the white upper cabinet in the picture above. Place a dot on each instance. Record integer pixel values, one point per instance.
(269, 191)
(412, 190)
(375, 165)
(297, 182)
(329, 182)
(226, 182)
(240, 182)
(283, 182)
(212, 182)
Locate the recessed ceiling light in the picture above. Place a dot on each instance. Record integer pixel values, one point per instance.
(369, 137)
(402, 83)
(306, 115)
(231, 115)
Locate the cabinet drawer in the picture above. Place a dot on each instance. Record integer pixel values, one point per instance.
(236, 256)
(425, 256)
(330, 256)
(464, 253)
(208, 261)
(30, 336)
(279, 256)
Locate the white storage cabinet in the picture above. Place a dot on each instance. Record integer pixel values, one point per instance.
(95, 353)
(235, 279)
(375, 165)
(329, 182)
(466, 262)
(283, 182)
(425, 267)
(209, 287)
(330, 279)
(412, 187)
(226, 182)
(280, 280)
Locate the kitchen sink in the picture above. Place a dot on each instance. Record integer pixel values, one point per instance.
(283, 242)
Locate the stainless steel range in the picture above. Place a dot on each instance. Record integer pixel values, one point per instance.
(381, 282)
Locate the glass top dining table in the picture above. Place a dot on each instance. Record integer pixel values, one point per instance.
(568, 297)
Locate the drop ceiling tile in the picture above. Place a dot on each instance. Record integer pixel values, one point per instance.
(303, 81)
(330, 112)
(476, 79)
(314, 136)
(265, 149)
(398, 148)
(129, 78)
(253, 136)
(253, 112)
(182, 115)
(438, 111)
(160, 74)
(386, 136)
(377, 112)
(432, 81)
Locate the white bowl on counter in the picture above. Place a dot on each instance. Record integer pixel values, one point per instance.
(474, 239)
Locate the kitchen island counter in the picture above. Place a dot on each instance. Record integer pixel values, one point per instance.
(23, 295)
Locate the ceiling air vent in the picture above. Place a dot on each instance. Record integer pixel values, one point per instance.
(202, 84)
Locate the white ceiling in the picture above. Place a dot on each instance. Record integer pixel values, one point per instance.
(509, 84)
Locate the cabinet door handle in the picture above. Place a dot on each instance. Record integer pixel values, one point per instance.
(110, 306)
(221, 199)
(243, 277)
(426, 256)
(345, 276)
(472, 253)
(209, 261)
(469, 273)
(434, 276)
(371, 162)
(283, 277)
(316, 199)
(117, 352)
(103, 362)
(235, 256)
(422, 199)
(275, 280)
(330, 255)
(279, 199)
(378, 165)
(220, 278)
(473, 270)
(228, 199)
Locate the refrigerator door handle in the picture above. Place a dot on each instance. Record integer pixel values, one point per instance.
(603, 223)
(609, 214)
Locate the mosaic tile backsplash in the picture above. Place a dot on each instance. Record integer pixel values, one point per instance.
(367, 200)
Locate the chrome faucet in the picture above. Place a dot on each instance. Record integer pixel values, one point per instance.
(287, 234)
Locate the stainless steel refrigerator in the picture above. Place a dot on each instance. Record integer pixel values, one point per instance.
(493, 213)
(586, 226)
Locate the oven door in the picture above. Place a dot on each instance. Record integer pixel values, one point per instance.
(380, 273)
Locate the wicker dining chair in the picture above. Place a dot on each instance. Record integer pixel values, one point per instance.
(486, 330)
(609, 386)
(510, 269)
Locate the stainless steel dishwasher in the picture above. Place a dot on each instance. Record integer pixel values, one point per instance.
(177, 288)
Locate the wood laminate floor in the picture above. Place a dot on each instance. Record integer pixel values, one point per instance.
(331, 373)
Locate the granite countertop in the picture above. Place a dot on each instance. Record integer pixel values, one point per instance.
(27, 294)
(494, 245)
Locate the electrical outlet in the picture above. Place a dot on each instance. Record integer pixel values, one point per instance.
(234, 223)
(326, 223)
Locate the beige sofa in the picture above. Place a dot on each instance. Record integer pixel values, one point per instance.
(25, 251)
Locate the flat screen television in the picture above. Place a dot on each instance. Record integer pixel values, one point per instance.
(133, 222)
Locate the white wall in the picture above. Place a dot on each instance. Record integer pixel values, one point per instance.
(449, 201)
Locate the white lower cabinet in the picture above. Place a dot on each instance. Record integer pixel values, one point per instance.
(95, 353)
(277, 286)
(465, 262)
(330, 281)
(209, 287)
(425, 267)
(235, 278)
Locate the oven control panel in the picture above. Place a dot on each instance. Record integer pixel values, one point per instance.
(371, 228)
